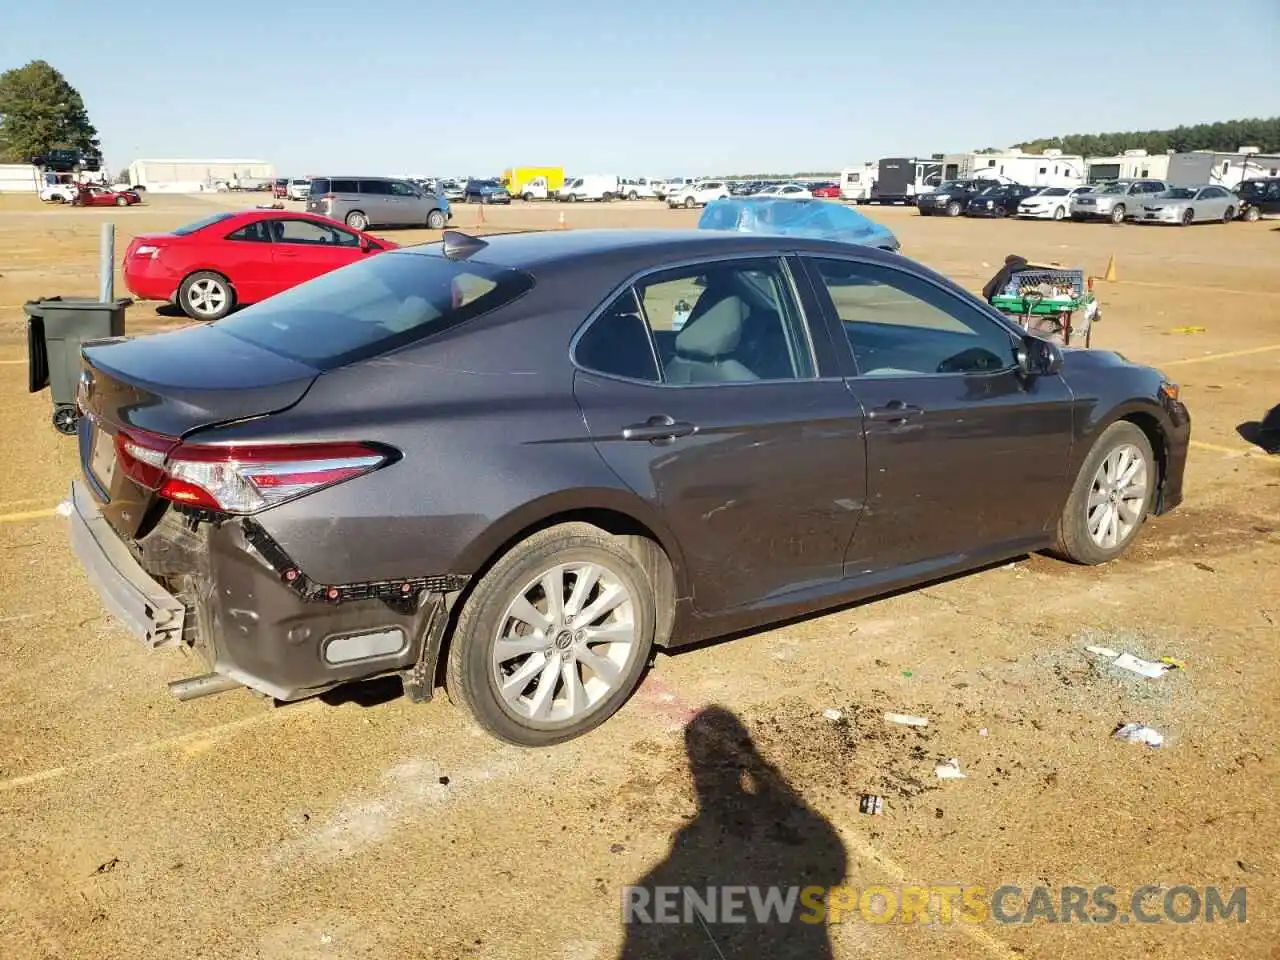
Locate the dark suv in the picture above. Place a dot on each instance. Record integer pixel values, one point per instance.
(364, 202)
(1259, 198)
(999, 200)
(950, 198)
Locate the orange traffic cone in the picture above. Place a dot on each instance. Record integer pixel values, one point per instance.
(1110, 275)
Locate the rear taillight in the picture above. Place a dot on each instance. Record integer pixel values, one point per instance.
(147, 250)
(241, 479)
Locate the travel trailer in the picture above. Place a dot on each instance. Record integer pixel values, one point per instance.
(903, 179)
(1052, 168)
(856, 182)
(1130, 165)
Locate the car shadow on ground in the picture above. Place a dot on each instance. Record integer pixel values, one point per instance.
(753, 831)
(170, 310)
(1264, 433)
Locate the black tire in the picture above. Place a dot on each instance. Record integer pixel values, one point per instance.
(66, 419)
(185, 297)
(1117, 213)
(122, 201)
(1228, 215)
(953, 208)
(356, 220)
(527, 197)
(436, 220)
(1188, 218)
(690, 203)
(1060, 213)
(1074, 542)
(924, 212)
(1252, 215)
(469, 679)
(1000, 213)
(1078, 217)
(633, 195)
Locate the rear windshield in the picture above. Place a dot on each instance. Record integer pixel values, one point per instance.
(200, 224)
(373, 306)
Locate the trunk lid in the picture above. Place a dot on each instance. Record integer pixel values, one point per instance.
(169, 385)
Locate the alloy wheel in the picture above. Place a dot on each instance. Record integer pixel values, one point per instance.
(207, 296)
(1118, 497)
(564, 643)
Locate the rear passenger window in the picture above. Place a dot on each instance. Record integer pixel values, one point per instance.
(617, 342)
(375, 187)
(346, 186)
(252, 233)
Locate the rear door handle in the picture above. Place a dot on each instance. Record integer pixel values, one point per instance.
(895, 411)
(658, 428)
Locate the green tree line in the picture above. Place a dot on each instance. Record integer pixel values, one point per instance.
(1226, 136)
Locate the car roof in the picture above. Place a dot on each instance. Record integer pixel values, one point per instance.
(647, 247)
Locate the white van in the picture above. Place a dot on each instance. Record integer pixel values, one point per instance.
(595, 187)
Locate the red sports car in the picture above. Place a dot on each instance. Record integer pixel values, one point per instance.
(827, 191)
(95, 196)
(210, 266)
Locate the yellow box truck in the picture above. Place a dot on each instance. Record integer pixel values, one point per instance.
(533, 183)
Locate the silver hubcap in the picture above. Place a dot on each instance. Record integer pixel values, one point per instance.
(357, 223)
(207, 296)
(564, 643)
(1118, 496)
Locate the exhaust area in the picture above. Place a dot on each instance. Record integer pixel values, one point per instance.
(202, 686)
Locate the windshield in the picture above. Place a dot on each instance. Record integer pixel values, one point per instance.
(373, 306)
(1178, 193)
(300, 183)
(991, 191)
(1115, 188)
(947, 186)
(1054, 192)
(200, 224)
(1253, 188)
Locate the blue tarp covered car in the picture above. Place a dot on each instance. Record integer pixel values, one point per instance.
(797, 218)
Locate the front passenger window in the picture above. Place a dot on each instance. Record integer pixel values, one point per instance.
(899, 325)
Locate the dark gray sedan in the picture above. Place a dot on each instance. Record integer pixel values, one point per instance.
(517, 465)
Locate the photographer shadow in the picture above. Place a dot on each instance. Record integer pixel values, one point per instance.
(751, 830)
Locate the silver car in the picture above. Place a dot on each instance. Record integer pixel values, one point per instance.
(1115, 201)
(364, 202)
(1206, 202)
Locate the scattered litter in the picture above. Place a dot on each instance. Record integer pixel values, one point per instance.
(108, 866)
(983, 732)
(832, 714)
(906, 719)
(1145, 668)
(1204, 566)
(616, 848)
(949, 770)
(63, 509)
(1104, 652)
(907, 673)
(1187, 330)
(1175, 664)
(326, 938)
(1138, 733)
(870, 804)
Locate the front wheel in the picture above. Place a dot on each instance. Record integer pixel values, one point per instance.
(206, 296)
(1111, 497)
(1252, 215)
(1059, 213)
(554, 638)
(1228, 215)
(633, 195)
(690, 203)
(435, 220)
(527, 197)
(1117, 213)
(953, 208)
(66, 419)
(1188, 218)
(122, 201)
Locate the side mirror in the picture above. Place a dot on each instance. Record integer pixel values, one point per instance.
(1037, 357)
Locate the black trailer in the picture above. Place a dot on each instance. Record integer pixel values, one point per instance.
(903, 179)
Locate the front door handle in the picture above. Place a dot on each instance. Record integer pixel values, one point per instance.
(895, 411)
(658, 428)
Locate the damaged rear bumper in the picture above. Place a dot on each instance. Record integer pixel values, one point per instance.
(219, 588)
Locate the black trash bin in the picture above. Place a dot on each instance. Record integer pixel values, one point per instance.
(56, 328)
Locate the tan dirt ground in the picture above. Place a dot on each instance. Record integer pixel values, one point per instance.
(135, 826)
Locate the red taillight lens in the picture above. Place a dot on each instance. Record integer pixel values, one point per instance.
(240, 479)
(246, 479)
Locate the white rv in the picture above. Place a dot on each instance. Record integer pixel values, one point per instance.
(1223, 169)
(1130, 165)
(1052, 168)
(856, 182)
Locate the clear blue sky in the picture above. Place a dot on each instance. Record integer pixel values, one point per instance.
(661, 87)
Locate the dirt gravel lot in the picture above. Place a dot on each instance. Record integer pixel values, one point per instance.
(366, 826)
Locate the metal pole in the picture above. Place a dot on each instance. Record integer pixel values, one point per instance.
(107, 263)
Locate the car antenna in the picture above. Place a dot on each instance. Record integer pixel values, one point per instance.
(459, 245)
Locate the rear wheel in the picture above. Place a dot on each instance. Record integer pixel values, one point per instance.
(633, 195)
(65, 418)
(1188, 218)
(357, 220)
(206, 296)
(435, 220)
(554, 638)
(1111, 497)
(953, 208)
(1117, 213)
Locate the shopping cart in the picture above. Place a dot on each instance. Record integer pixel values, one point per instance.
(1051, 302)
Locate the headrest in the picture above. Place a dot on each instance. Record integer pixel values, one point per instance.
(716, 333)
